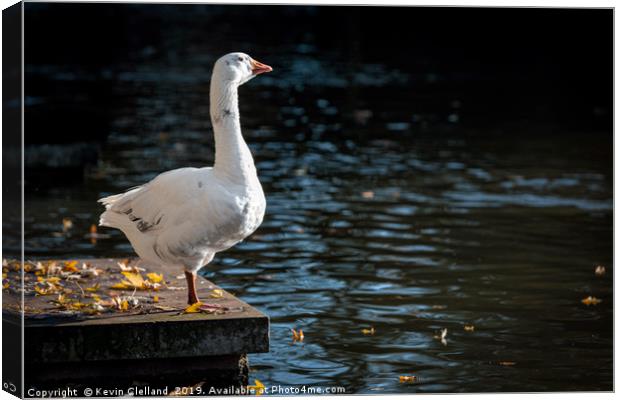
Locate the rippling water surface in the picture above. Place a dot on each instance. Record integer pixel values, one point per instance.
(380, 213)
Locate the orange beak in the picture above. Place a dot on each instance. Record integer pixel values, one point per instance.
(259, 68)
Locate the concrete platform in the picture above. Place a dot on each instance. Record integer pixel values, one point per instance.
(148, 340)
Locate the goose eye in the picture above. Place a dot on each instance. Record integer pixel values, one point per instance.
(240, 58)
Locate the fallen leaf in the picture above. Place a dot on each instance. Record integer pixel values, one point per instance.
(369, 194)
(5, 285)
(599, 270)
(53, 269)
(121, 286)
(469, 327)
(194, 308)
(407, 378)
(370, 331)
(40, 291)
(442, 336)
(93, 288)
(123, 265)
(591, 301)
(123, 303)
(88, 271)
(155, 299)
(298, 336)
(134, 278)
(135, 281)
(54, 280)
(258, 387)
(71, 266)
(66, 224)
(216, 294)
(156, 278)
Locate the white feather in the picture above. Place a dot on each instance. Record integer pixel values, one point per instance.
(184, 216)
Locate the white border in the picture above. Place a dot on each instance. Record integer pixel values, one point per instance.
(487, 3)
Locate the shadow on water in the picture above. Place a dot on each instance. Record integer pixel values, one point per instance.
(398, 199)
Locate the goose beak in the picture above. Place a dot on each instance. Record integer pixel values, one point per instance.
(259, 68)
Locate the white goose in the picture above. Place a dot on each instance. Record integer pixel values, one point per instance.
(184, 216)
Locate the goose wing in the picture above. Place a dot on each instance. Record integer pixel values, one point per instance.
(147, 207)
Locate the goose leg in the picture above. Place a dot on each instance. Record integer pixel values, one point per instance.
(192, 296)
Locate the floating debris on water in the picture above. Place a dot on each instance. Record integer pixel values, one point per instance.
(297, 336)
(599, 270)
(506, 363)
(407, 378)
(591, 301)
(67, 224)
(369, 194)
(369, 332)
(441, 336)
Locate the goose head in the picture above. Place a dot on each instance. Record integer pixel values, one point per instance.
(238, 68)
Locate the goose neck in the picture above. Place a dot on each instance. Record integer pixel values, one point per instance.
(232, 155)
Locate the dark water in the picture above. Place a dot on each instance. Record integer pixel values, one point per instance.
(384, 211)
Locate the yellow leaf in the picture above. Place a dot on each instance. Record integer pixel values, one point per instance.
(155, 299)
(217, 293)
(194, 308)
(155, 278)
(469, 327)
(298, 336)
(591, 301)
(93, 288)
(370, 331)
(5, 285)
(40, 292)
(134, 279)
(71, 266)
(407, 378)
(124, 305)
(258, 387)
(121, 286)
(77, 305)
